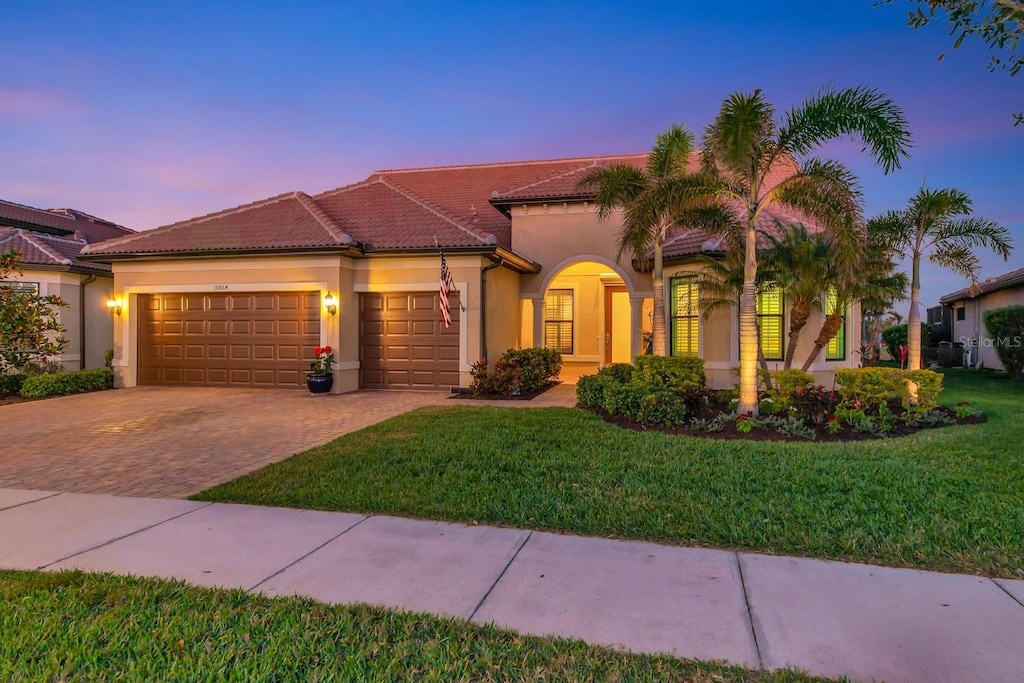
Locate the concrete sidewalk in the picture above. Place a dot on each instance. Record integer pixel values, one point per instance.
(828, 618)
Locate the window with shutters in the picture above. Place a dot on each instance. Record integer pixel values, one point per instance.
(23, 287)
(685, 316)
(770, 319)
(558, 320)
(836, 347)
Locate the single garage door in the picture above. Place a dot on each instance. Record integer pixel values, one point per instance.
(257, 339)
(403, 343)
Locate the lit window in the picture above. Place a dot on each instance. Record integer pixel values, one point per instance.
(685, 316)
(836, 347)
(770, 317)
(558, 320)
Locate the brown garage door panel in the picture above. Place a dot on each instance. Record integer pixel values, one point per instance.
(262, 339)
(403, 343)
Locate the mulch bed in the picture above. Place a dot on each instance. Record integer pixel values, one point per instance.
(9, 399)
(729, 432)
(502, 397)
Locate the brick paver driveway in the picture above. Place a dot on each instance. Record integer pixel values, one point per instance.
(173, 442)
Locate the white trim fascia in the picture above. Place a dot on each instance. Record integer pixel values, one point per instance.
(246, 262)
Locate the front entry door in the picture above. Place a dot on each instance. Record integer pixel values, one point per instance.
(616, 325)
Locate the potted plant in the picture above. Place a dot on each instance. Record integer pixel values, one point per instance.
(320, 377)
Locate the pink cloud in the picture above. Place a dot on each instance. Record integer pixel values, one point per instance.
(29, 105)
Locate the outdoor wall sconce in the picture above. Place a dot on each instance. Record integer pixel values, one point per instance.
(114, 305)
(331, 304)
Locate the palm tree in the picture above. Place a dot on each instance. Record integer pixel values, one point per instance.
(797, 262)
(754, 159)
(939, 223)
(654, 199)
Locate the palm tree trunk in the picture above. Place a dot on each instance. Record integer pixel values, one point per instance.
(798, 316)
(914, 320)
(762, 362)
(658, 319)
(829, 329)
(748, 326)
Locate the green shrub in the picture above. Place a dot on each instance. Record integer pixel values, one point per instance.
(11, 384)
(896, 336)
(518, 371)
(624, 399)
(873, 388)
(870, 387)
(929, 386)
(789, 380)
(676, 372)
(662, 406)
(63, 383)
(538, 366)
(1006, 328)
(590, 389)
(622, 372)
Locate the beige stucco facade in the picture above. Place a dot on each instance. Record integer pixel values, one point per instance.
(972, 331)
(99, 326)
(574, 249)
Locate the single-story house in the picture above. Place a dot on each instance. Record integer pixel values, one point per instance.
(49, 243)
(241, 296)
(969, 306)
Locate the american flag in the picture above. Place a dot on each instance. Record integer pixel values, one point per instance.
(446, 286)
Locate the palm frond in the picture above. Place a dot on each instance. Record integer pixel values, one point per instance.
(670, 156)
(958, 258)
(859, 113)
(614, 186)
(973, 231)
(734, 140)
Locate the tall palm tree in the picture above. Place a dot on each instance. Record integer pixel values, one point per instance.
(939, 224)
(653, 199)
(755, 159)
(797, 261)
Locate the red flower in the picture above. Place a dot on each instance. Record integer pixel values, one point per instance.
(326, 349)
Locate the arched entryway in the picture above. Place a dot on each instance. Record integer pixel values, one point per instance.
(589, 313)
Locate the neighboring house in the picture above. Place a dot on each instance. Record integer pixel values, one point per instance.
(968, 308)
(239, 297)
(941, 319)
(49, 243)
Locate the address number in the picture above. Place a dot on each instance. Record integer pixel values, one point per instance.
(220, 288)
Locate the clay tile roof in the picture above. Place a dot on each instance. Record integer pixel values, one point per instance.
(565, 185)
(41, 249)
(1015, 278)
(291, 220)
(59, 221)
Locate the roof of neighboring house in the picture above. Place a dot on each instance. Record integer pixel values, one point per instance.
(50, 251)
(59, 222)
(392, 210)
(1015, 278)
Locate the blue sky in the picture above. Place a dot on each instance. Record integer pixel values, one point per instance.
(148, 113)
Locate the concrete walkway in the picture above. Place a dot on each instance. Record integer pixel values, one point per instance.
(828, 618)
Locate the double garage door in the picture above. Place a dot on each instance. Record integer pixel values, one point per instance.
(266, 339)
(257, 339)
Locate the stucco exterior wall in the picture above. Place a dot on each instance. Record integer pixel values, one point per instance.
(972, 327)
(503, 316)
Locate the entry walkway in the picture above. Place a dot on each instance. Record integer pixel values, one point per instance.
(828, 618)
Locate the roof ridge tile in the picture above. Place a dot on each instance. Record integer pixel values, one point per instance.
(558, 176)
(505, 164)
(30, 236)
(323, 219)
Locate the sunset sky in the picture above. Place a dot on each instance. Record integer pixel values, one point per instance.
(146, 113)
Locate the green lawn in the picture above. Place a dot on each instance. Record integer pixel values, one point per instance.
(950, 499)
(82, 627)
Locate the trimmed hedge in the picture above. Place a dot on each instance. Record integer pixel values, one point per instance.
(874, 387)
(789, 380)
(64, 383)
(658, 390)
(675, 372)
(897, 335)
(1006, 327)
(11, 384)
